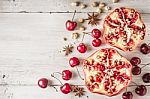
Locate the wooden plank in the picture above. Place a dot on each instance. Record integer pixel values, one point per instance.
(30, 45)
(31, 92)
(47, 6)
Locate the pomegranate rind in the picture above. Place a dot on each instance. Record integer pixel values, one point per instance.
(126, 32)
(90, 70)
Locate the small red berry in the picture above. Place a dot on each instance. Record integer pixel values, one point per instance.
(43, 82)
(71, 25)
(145, 49)
(66, 88)
(74, 61)
(66, 75)
(96, 33)
(136, 70)
(127, 95)
(135, 61)
(141, 90)
(96, 42)
(81, 48)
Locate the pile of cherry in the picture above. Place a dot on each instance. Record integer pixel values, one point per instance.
(66, 88)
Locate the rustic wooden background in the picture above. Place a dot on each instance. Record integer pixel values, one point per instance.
(31, 36)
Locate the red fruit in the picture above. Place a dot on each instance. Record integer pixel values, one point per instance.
(146, 78)
(74, 61)
(145, 49)
(123, 28)
(66, 88)
(66, 75)
(107, 72)
(136, 70)
(141, 90)
(96, 42)
(71, 25)
(135, 61)
(43, 82)
(96, 33)
(81, 48)
(127, 95)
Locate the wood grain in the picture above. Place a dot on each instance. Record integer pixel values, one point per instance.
(31, 44)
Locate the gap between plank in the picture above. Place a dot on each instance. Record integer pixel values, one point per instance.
(55, 12)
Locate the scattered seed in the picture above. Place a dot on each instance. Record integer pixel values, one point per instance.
(75, 35)
(82, 28)
(107, 8)
(94, 4)
(99, 10)
(75, 3)
(102, 5)
(81, 20)
(115, 1)
(65, 39)
(83, 6)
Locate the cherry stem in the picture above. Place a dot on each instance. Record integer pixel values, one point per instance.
(57, 73)
(145, 65)
(134, 83)
(55, 88)
(79, 74)
(73, 15)
(83, 37)
(126, 89)
(52, 75)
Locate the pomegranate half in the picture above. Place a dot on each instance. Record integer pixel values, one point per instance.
(107, 72)
(124, 28)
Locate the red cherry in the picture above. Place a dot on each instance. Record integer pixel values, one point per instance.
(74, 61)
(96, 33)
(43, 82)
(145, 49)
(96, 42)
(81, 48)
(127, 95)
(146, 78)
(136, 70)
(135, 61)
(141, 90)
(66, 75)
(66, 88)
(71, 25)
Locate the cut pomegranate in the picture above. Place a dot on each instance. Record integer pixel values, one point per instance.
(124, 29)
(107, 72)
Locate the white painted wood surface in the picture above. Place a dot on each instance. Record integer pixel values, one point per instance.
(31, 36)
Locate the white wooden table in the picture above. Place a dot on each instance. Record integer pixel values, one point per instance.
(31, 36)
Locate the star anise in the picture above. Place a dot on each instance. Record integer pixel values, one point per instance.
(93, 19)
(79, 91)
(67, 49)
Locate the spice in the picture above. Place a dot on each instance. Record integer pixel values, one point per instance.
(75, 35)
(82, 28)
(107, 8)
(94, 4)
(99, 10)
(115, 1)
(81, 20)
(102, 5)
(65, 39)
(82, 6)
(68, 49)
(75, 3)
(79, 91)
(93, 19)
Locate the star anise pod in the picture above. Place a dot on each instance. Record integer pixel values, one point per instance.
(67, 49)
(93, 19)
(79, 91)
